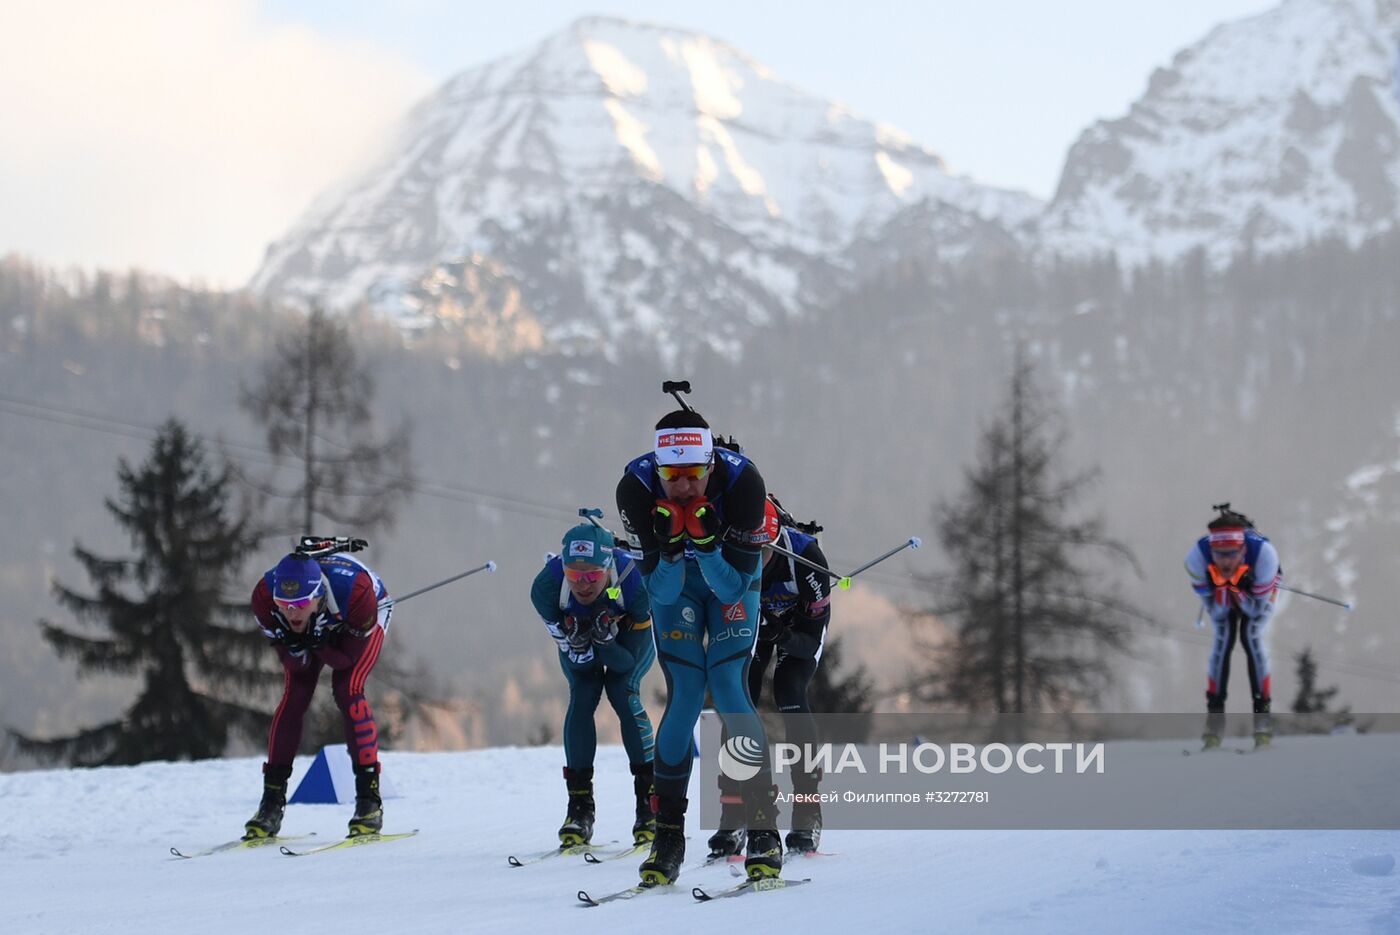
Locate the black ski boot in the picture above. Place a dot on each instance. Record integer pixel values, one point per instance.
(663, 864)
(729, 839)
(806, 833)
(578, 823)
(763, 857)
(369, 808)
(644, 828)
(268, 821)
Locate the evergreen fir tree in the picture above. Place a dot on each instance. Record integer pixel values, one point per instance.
(1032, 627)
(163, 611)
(1311, 699)
(312, 398)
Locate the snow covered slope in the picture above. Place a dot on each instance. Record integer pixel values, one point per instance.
(626, 173)
(1271, 130)
(86, 850)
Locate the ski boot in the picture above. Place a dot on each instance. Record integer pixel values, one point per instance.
(806, 833)
(763, 855)
(1215, 722)
(730, 838)
(268, 821)
(644, 828)
(663, 864)
(369, 808)
(1263, 723)
(578, 823)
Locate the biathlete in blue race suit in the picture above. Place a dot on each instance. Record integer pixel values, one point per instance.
(592, 601)
(697, 512)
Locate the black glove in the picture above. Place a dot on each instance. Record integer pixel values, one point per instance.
(668, 523)
(605, 627)
(318, 629)
(702, 525)
(294, 642)
(578, 634)
(322, 628)
(771, 630)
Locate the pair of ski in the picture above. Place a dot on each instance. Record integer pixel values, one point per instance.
(760, 885)
(1241, 751)
(591, 853)
(700, 894)
(357, 840)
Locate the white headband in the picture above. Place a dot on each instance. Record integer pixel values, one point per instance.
(684, 446)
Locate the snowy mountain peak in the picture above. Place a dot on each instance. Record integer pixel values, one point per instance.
(624, 173)
(1270, 131)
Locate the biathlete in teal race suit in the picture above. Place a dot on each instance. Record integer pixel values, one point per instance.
(696, 511)
(593, 603)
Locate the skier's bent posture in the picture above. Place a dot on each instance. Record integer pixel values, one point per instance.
(593, 603)
(327, 612)
(696, 511)
(1235, 572)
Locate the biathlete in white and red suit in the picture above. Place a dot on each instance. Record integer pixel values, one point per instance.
(1235, 572)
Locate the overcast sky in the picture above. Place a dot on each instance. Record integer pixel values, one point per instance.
(182, 137)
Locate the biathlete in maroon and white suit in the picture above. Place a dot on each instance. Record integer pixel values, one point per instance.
(327, 612)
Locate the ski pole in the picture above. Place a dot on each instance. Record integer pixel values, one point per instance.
(388, 601)
(913, 543)
(798, 558)
(1317, 597)
(844, 581)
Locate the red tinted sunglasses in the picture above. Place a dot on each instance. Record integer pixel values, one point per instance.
(677, 471)
(299, 604)
(578, 574)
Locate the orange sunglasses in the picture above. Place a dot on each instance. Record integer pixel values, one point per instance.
(677, 471)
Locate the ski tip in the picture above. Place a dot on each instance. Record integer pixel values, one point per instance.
(700, 894)
(514, 861)
(588, 858)
(586, 899)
